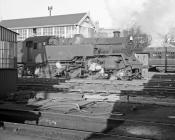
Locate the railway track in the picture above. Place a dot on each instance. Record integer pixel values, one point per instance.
(68, 87)
(127, 85)
(47, 125)
(138, 91)
(52, 133)
(75, 127)
(83, 86)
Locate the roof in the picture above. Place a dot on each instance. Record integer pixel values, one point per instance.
(59, 20)
(7, 35)
(39, 39)
(2, 27)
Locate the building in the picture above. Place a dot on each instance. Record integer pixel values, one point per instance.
(8, 70)
(61, 26)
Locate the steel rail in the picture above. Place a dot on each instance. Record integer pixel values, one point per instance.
(41, 113)
(51, 132)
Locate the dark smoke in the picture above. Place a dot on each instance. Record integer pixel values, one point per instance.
(154, 17)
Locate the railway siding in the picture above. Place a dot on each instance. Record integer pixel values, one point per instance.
(68, 126)
(93, 109)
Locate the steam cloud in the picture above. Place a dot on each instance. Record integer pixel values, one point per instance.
(155, 17)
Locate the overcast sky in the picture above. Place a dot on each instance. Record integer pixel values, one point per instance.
(118, 14)
(104, 11)
(155, 17)
(12, 9)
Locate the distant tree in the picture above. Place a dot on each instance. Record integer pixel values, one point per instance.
(170, 36)
(140, 39)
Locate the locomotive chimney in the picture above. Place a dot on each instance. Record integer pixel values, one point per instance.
(116, 34)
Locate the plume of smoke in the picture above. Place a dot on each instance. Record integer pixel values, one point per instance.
(122, 12)
(155, 17)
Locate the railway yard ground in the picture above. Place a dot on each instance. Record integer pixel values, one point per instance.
(79, 109)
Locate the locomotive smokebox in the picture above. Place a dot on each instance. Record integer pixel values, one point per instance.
(116, 34)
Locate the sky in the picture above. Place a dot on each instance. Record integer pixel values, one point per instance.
(13, 9)
(154, 17)
(107, 12)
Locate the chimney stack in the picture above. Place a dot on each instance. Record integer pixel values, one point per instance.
(116, 34)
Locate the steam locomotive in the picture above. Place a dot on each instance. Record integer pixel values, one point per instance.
(49, 56)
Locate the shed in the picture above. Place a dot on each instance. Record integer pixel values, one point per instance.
(8, 69)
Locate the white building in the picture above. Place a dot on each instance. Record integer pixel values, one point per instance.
(60, 25)
(105, 33)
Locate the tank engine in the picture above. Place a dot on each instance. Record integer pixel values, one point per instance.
(48, 56)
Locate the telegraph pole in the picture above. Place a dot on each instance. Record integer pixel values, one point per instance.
(165, 48)
(165, 58)
(50, 8)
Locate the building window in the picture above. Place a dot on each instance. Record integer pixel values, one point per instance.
(70, 31)
(30, 32)
(48, 31)
(22, 34)
(38, 32)
(34, 30)
(59, 31)
(7, 54)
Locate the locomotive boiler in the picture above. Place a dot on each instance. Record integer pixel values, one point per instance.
(49, 56)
